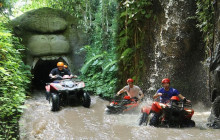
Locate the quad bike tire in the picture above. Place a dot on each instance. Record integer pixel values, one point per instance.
(86, 100)
(191, 123)
(143, 119)
(55, 102)
(154, 121)
(216, 107)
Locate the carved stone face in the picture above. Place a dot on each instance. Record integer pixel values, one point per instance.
(50, 36)
(46, 33)
(46, 45)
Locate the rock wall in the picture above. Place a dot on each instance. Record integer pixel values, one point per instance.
(215, 61)
(50, 34)
(173, 49)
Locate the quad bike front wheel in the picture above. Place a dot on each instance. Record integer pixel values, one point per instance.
(191, 123)
(216, 107)
(154, 120)
(55, 102)
(143, 119)
(86, 100)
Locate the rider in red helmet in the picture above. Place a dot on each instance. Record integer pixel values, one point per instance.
(167, 92)
(132, 90)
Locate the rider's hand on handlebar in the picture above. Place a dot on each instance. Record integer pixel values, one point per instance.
(159, 94)
(185, 100)
(188, 101)
(53, 77)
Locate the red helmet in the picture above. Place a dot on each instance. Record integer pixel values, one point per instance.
(130, 80)
(165, 80)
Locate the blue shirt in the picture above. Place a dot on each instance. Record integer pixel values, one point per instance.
(166, 95)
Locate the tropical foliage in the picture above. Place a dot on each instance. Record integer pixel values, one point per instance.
(116, 31)
(14, 82)
(132, 20)
(205, 17)
(100, 68)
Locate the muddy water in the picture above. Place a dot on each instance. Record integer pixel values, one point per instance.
(39, 123)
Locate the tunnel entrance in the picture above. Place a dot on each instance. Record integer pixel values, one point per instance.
(41, 72)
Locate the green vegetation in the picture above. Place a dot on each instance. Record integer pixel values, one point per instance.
(133, 16)
(205, 15)
(14, 81)
(98, 19)
(116, 32)
(100, 68)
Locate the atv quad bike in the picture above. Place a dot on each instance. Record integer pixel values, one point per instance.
(176, 113)
(122, 105)
(66, 91)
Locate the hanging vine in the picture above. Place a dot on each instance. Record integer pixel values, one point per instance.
(133, 15)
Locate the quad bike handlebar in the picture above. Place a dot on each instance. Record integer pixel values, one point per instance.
(58, 77)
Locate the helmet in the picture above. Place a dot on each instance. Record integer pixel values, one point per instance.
(165, 80)
(65, 66)
(60, 64)
(130, 80)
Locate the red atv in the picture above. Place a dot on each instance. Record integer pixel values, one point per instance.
(66, 91)
(176, 113)
(122, 105)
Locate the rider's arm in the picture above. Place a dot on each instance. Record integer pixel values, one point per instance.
(157, 95)
(182, 97)
(52, 74)
(70, 74)
(121, 91)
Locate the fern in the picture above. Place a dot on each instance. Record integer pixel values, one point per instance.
(108, 66)
(89, 63)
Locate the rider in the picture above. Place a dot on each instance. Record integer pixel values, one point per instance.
(132, 90)
(65, 67)
(59, 71)
(167, 92)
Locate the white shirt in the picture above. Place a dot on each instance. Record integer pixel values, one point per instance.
(135, 91)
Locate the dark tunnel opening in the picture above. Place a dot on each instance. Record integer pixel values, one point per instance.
(41, 73)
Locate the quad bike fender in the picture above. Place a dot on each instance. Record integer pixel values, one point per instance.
(47, 87)
(190, 112)
(146, 109)
(55, 86)
(131, 106)
(156, 107)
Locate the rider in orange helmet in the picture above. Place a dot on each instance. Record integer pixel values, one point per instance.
(65, 66)
(167, 92)
(132, 90)
(59, 71)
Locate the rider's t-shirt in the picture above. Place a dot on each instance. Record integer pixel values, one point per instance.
(166, 95)
(133, 92)
(63, 72)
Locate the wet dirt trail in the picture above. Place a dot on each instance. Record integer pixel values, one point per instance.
(39, 123)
